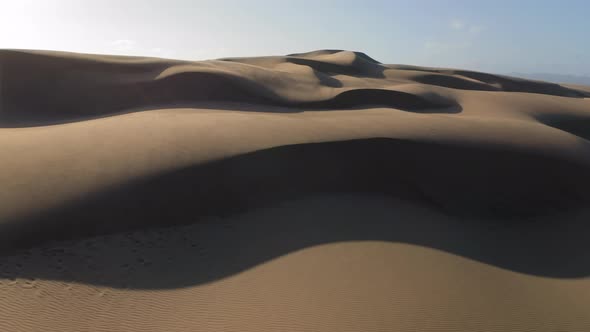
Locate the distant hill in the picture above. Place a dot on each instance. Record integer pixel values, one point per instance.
(556, 78)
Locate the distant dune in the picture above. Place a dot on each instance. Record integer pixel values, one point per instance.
(308, 192)
(557, 78)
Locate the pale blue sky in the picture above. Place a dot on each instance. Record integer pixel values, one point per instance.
(497, 36)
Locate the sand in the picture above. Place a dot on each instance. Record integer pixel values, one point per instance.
(321, 191)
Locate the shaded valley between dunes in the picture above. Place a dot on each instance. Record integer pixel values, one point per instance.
(313, 191)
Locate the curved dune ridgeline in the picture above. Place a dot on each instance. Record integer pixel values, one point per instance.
(70, 87)
(180, 195)
(489, 161)
(455, 180)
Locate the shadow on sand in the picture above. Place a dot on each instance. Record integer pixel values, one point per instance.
(468, 208)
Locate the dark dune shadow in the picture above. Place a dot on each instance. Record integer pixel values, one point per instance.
(42, 103)
(575, 125)
(164, 258)
(327, 80)
(453, 82)
(514, 84)
(358, 55)
(360, 67)
(40, 89)
(389, 98)
(489, 82)
(472, 183)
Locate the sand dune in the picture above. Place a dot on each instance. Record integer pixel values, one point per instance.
(314, 191)
(335, 263)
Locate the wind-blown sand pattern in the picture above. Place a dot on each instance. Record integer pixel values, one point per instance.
(320, 191)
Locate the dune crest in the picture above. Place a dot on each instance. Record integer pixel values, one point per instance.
(463, 142)
(212, 195)
(69, 87)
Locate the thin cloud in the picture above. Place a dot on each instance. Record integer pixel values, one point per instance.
(457, 24)
(475, 29)
(460, 25)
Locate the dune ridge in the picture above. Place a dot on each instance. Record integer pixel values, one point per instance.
(147, 187)
(516, 188)
(103, 85)
(314, 264)
(494, 177)
(68, 86)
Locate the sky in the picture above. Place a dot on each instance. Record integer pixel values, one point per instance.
(495, 36)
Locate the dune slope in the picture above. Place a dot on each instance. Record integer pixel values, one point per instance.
(165, 181)
(325, 263)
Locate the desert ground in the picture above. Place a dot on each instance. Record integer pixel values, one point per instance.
(319, 191)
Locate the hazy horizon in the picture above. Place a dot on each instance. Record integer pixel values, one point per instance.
(529, 37)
